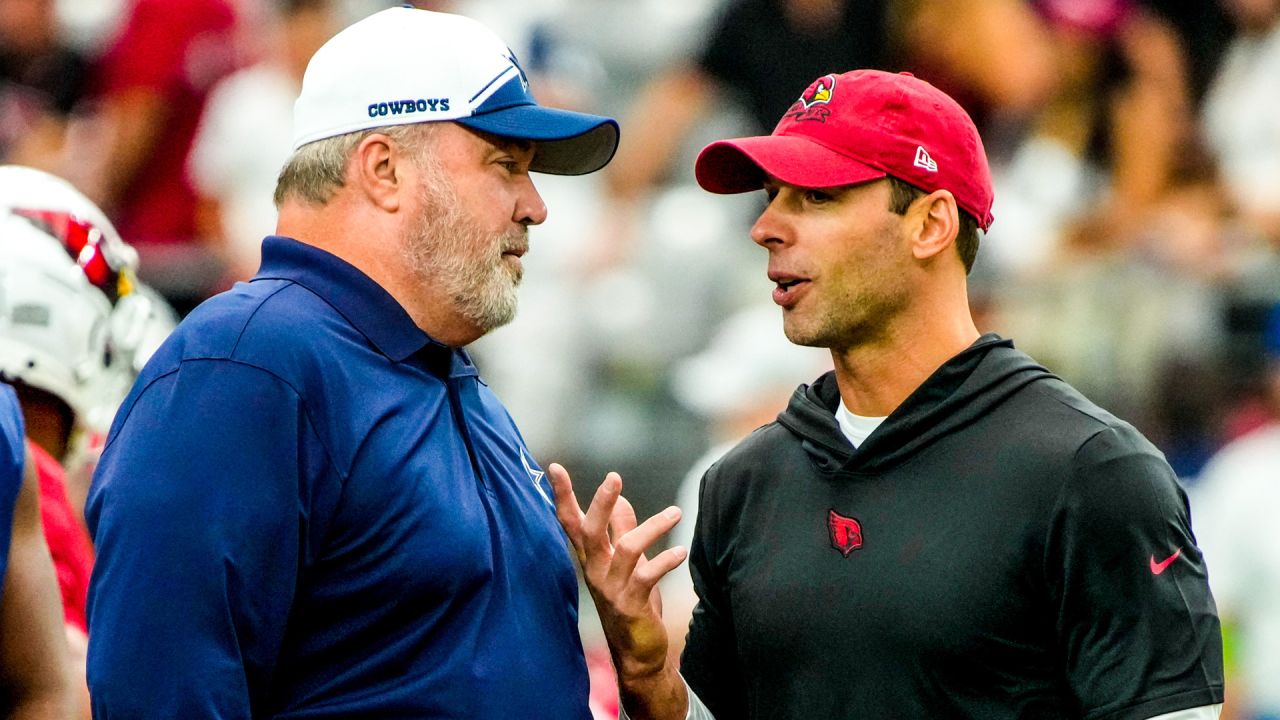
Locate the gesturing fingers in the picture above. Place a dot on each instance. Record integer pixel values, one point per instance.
(629, 549)
(568, 512)
(623, 519)
(595, 524)
(648, 574)
(617, 567)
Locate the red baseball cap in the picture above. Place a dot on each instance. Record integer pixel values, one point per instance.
(857, 127)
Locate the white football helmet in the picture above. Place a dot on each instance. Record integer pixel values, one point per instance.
(54, 323)
(73, 321)
(71, 218)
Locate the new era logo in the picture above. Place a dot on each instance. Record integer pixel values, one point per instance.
(924, 161)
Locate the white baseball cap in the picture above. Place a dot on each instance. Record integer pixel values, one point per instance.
(403, 65)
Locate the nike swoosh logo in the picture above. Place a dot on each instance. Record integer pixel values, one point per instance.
(1159, 567)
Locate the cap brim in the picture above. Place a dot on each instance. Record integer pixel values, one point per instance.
(734, 166)
(569, 143)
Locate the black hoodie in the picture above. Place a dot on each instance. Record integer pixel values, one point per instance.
(999, 547)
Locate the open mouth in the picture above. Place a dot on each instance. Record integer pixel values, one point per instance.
(787, 290)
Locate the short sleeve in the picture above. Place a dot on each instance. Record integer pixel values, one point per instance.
(1137, 626)
(196, 512)
(710, 660)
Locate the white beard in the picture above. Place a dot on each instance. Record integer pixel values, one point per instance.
(449, 251)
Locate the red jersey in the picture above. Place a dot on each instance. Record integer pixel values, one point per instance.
(68, 539)
(178, 49)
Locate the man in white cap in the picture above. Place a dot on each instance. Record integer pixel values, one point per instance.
(309, 505)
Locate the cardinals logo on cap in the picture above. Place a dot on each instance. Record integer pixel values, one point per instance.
(812, 104)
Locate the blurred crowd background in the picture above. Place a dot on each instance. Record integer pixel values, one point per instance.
(1135, 146)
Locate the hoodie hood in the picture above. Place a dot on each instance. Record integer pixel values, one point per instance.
(963, 390)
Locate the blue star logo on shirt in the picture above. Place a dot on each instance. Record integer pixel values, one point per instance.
(536, 476)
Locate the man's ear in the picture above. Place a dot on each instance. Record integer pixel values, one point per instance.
(374, 171)
(935, 221)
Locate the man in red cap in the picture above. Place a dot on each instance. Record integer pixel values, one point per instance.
(939, 527)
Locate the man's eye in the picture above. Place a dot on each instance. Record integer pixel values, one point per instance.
(816, 196)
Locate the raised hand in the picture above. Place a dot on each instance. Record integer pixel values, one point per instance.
(610, 547)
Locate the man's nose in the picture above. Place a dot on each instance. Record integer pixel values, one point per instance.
(769, 228)
(530, 209)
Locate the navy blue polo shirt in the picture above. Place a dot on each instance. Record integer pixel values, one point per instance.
(308, 508)
(12, 451)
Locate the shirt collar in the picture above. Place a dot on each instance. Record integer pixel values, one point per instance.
(363, 302)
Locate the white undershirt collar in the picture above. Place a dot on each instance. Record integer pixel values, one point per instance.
(856, 427)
